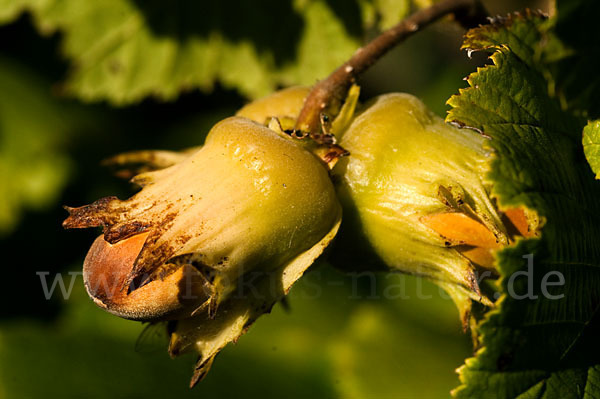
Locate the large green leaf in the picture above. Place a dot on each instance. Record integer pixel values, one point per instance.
(124, 50)
(542, 344)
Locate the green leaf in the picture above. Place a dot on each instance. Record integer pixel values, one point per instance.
(383, 14)
(536, 343)
(591, 145)
(33, 165)
(391, 12)
(125, 50)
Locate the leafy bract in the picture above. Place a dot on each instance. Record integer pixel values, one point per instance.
(540, 339)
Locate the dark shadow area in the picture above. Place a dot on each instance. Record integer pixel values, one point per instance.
(276, 27)
(351, 251)
(349, 14)
(21, 41)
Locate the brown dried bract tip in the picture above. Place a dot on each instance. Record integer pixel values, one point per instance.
(107, 266)
(99, 213)
(330, 154)
(124, 219)
(130, 164)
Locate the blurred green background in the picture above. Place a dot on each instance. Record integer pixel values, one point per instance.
(339, 339)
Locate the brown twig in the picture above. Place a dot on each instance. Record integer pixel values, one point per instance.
(333, 89)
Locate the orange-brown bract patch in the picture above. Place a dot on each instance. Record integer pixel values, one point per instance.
(459, 228)
(480, 256)
(517, 217)
(107, 267)
(472, 239)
